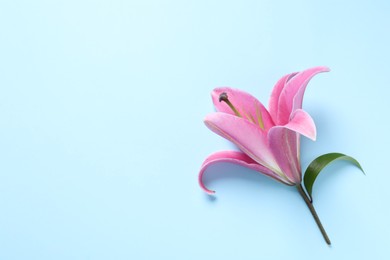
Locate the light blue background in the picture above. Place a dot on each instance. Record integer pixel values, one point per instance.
(101, 133)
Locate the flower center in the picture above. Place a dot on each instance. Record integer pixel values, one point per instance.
(224, 97)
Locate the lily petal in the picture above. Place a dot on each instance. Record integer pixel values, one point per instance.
(291, 96)
(248, 106)
(238, 158)
(276, 91)
(246, 135)
(284, 145)
(302, 123)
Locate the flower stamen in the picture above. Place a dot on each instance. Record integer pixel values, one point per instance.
(224, 97)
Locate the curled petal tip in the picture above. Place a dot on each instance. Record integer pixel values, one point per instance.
(312, 134)
(314, 137)
(200, 178)
(311, 137)
(325, 68)
(319, 69)
(209, 192)
(302, 123)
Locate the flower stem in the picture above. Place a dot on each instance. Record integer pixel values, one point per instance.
(313, 212)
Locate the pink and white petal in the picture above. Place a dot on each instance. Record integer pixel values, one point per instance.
(302, 123)
(291, 96)
(246, 135)
(298, 98)
(238, 158)
(248, 106)
(276, 91)
(284, 145)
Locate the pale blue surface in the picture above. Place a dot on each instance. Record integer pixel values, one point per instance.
(101, 133)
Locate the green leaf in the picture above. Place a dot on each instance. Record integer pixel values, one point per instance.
(320, 163)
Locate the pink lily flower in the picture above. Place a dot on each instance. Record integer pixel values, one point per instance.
(269, 140)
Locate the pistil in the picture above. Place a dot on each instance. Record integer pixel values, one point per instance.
(224, 97)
